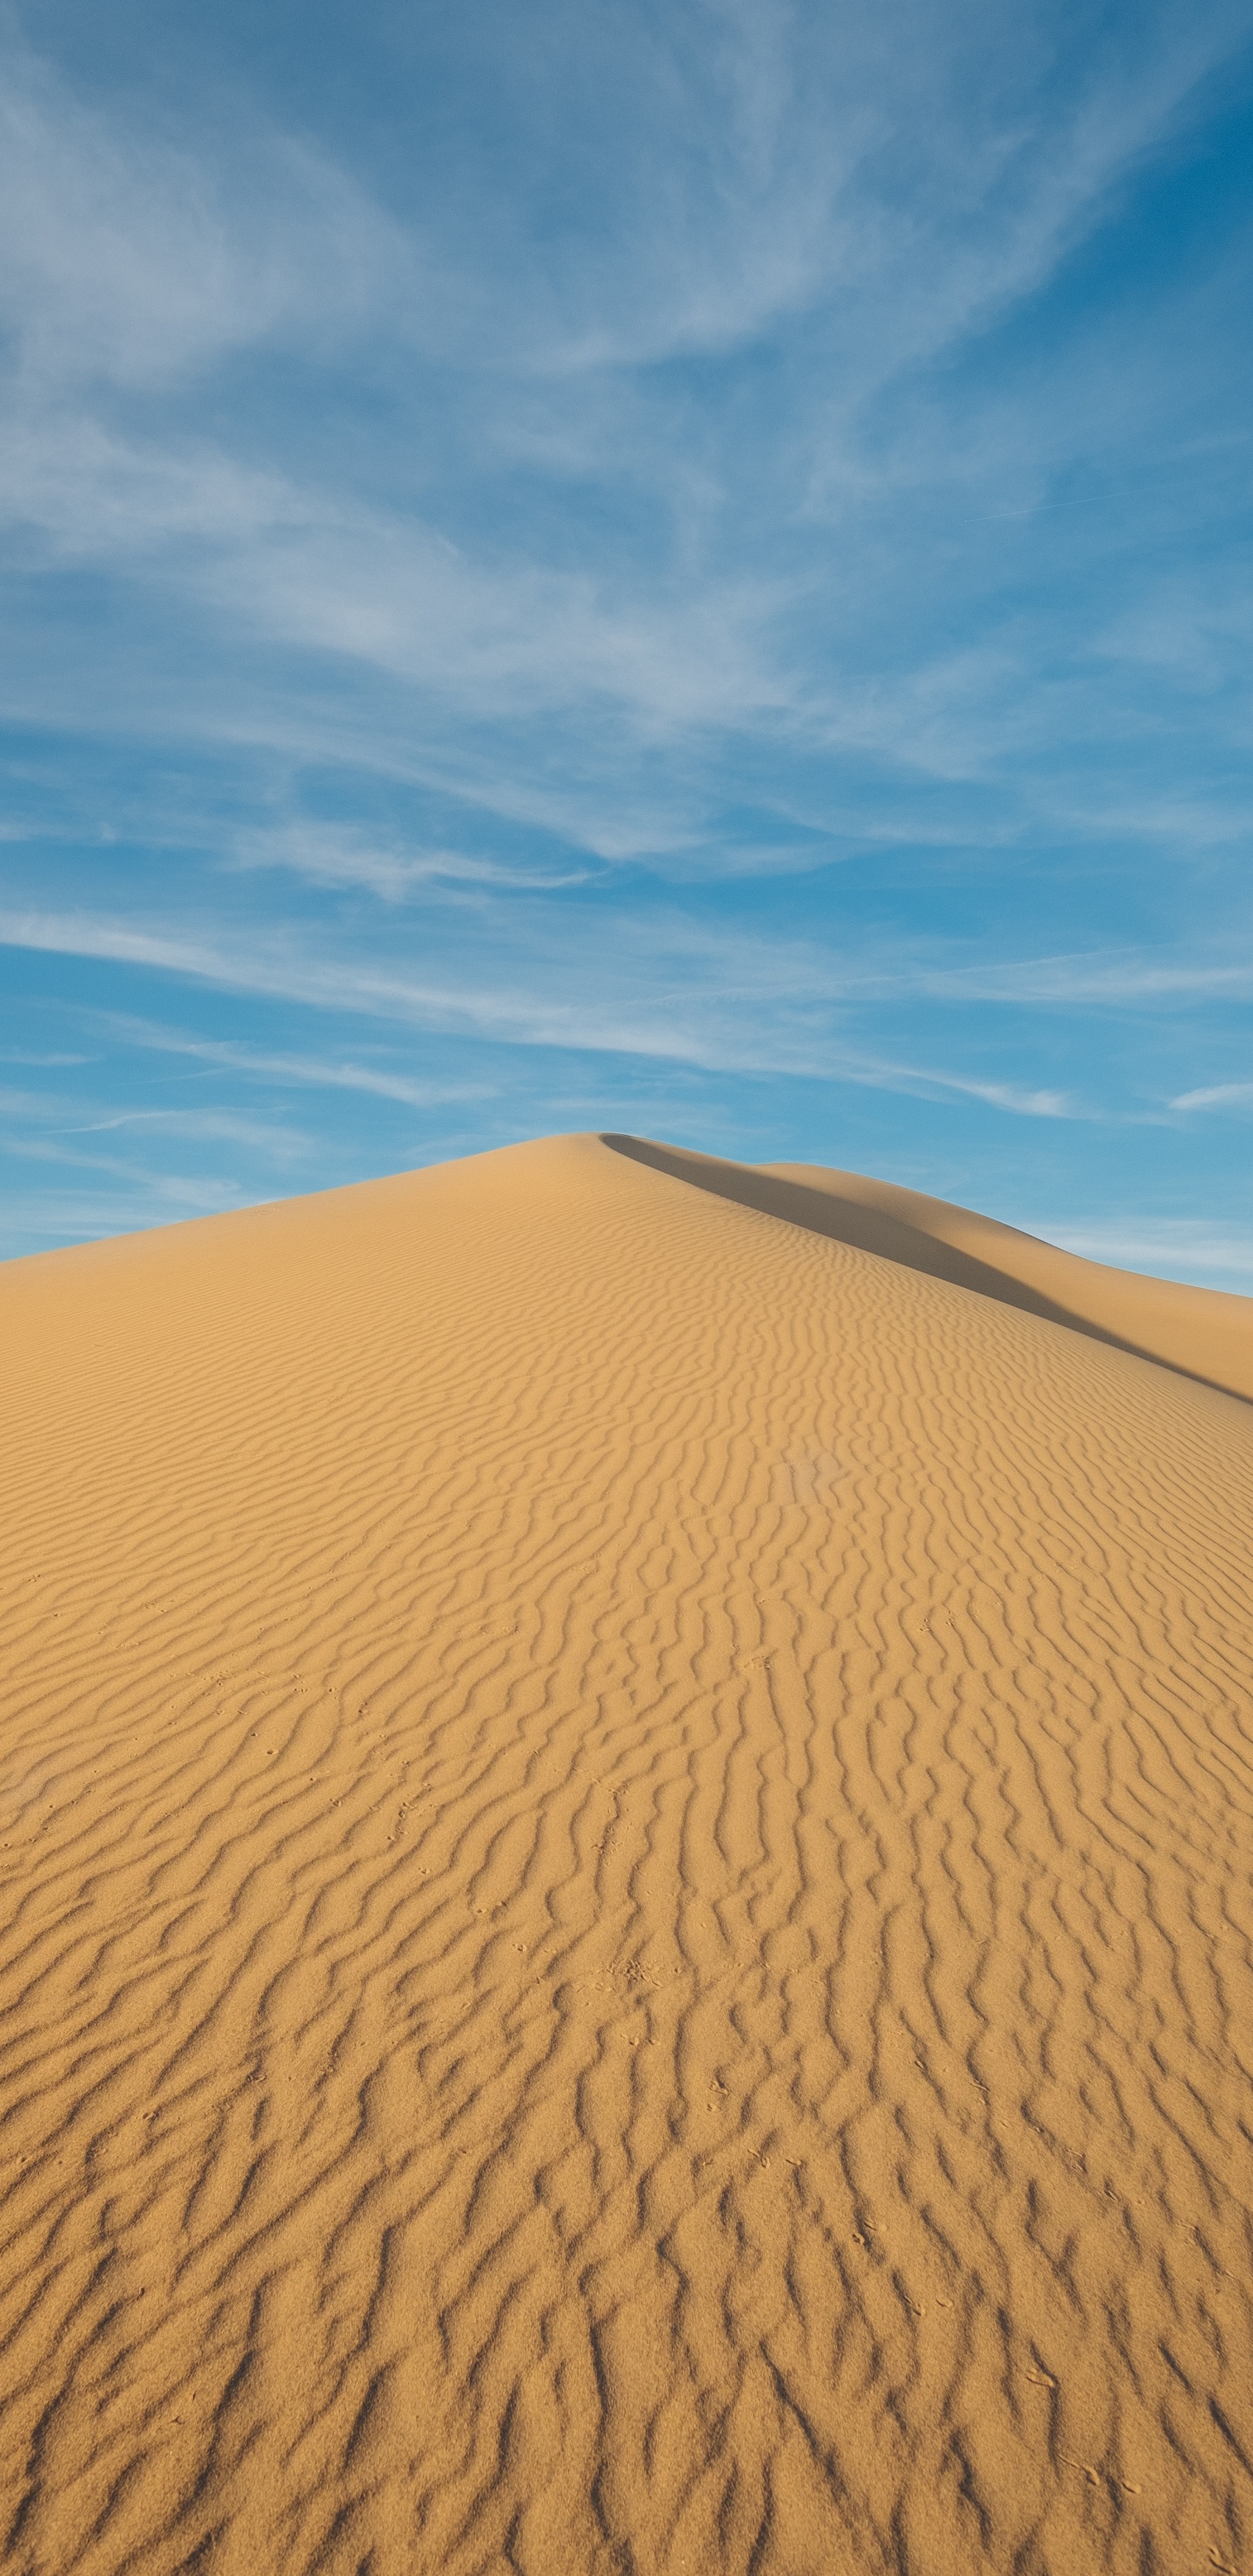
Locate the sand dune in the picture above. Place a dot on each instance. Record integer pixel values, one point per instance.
(627, 1834)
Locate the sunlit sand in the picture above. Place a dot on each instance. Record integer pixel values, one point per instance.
(626, 1793)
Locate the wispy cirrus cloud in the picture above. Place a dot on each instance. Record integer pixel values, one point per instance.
(696, 545)
(1218, 1256)
(741, 969)
(133, 258)
(344, 856)
(204, 1127)
(902, 205)
(1216, 1095)
(1125, 981)
(644, 1023)
(692, 1011)
(308, 1072)
(54, 1119)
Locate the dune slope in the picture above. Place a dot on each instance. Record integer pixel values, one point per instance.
(627, 1838)
(1201, 1332)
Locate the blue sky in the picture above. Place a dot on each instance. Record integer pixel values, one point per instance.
(673, 568)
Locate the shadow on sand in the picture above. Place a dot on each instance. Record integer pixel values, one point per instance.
(890, 1238)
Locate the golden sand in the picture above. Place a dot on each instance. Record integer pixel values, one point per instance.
(626, 1802)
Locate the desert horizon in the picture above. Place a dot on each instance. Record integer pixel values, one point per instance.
(628, 1855)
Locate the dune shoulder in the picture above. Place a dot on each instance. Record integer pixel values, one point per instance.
(1203, 1332)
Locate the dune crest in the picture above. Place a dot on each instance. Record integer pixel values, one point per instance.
(628, 1894)
(1201, 1332)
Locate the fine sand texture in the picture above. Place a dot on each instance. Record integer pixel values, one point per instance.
(626, 1822)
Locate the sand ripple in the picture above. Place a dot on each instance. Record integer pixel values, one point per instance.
(627, 1845)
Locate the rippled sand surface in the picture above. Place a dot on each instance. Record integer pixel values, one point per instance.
(627, 1930)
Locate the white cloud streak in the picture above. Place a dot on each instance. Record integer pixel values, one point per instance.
(327, 854)
(1216, 1095)
(204, 1127)
(134, 260)
(689, 1021)
(319, 1073)
(1216, 1256)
